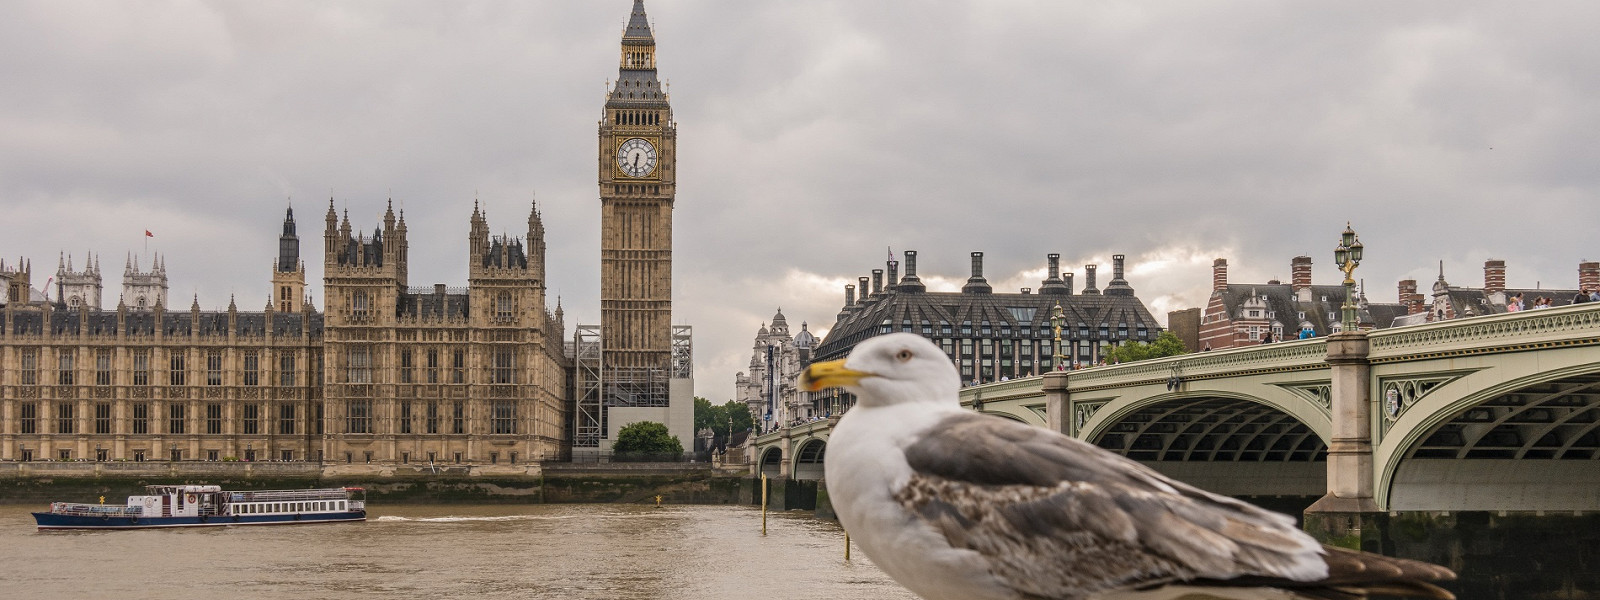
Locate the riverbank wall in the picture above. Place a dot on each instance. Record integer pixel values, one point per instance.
(676, 483)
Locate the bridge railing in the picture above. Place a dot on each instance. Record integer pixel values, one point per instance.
(1529, 329)
(1291, 355)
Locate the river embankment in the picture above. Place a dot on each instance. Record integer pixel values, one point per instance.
(676, 483)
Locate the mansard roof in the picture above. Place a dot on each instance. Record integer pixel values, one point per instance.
(1025, 315)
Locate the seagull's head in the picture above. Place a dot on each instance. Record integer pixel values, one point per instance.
(890, 369)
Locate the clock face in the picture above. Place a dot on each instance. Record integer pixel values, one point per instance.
(636, 157)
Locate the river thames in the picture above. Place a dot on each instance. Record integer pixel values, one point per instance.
(572, 551)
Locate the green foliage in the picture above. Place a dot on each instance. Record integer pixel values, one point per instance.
(1166, 344)
(716, 418)
(647, 437)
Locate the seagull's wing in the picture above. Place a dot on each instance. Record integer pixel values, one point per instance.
(1059, 518)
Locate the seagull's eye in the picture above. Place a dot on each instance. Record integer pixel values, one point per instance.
(903, 355)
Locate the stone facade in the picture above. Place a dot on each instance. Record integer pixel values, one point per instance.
(990, 336)
(434, 375)
(1241, 314)
(390, 376)
(769, 389)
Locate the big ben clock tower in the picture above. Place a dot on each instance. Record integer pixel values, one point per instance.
(638, 152)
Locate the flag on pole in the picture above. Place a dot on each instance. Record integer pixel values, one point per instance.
(891, 253)
(148, 234)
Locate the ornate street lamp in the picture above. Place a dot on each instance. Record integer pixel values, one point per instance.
(1057, 317)
(1348, 257)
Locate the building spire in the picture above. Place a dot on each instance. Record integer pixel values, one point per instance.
(638, 25)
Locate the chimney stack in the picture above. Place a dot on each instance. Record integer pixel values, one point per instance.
(1589, 276)
(912, 283)
(849, 295)
(977, 284)
(1066, 280)
(1494, 276)
(1052, 281)
(1118, 286)
(1300, 278)
(864, 288)
(1219, 274)
(877, 282)
(1410, 298)
(1088, 279)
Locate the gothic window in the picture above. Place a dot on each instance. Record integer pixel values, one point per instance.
(433, 366)
(505, 416)
(175, 367)
(286, 419)
(74, 301)
(458, 368)
(359, 308)
(405, 416)
(175, 418)
(459, 418)
(214, 418)
(214, 367)
(141, 417)
(30, 366)
(405, 365)
(286, 369)
(502, 305)
(252, 368)
(102, 366)
(360, 365)
(432, 420)
(141, 303)
(64, 418)
(505, 360)
(64, 366)
(102, 417)
(359, 416)
(28, 418)
(251, 419)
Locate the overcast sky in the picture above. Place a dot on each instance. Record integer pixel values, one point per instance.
(813, 135)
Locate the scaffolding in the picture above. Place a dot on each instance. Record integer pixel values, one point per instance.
(589, 412)
(682, 352)
(601, 386)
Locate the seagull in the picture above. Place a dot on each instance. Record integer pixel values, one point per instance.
(957, 505)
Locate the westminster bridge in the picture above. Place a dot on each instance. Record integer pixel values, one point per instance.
(1494, 413)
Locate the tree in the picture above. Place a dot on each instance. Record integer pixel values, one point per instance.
(716, 418)
(647, 437)
(1166, 344)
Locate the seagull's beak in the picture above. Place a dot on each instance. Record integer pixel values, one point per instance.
(829, 374)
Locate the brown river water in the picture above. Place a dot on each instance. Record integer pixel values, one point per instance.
(585, 551)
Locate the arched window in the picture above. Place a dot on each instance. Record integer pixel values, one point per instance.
(359, 308)
(502, 305)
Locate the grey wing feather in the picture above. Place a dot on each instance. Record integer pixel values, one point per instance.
(1051, 511)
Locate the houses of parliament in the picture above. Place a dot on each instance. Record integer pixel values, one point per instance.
(386, 373)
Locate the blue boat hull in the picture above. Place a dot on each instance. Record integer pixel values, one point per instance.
(54, 521)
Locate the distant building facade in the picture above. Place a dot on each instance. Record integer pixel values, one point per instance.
(391, 375)
(990, 336)
(1241, 314)
(768, 389)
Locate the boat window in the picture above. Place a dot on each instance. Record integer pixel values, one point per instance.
(341, 505)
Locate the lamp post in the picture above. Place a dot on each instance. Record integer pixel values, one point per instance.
(1057, 316)
(1348, 257)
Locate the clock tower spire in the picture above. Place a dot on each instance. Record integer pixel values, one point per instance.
(637, 177)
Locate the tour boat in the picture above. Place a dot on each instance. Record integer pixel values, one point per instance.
(210, 506)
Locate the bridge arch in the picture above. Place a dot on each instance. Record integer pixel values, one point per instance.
(808, 458)
(772, 462)
(1516, 434)
(1230, 443)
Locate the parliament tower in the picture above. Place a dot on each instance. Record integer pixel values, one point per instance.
(638, 152)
